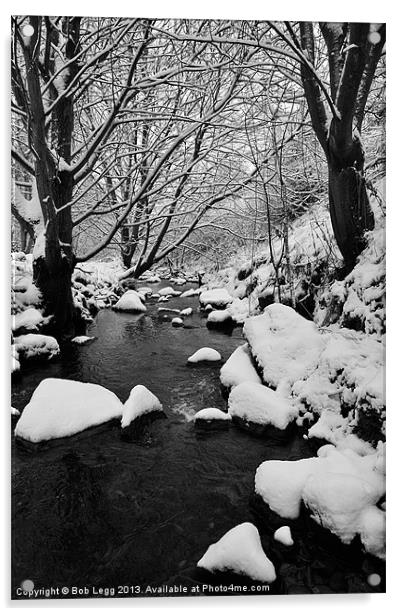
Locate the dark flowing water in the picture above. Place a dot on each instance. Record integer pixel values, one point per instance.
(94, 511)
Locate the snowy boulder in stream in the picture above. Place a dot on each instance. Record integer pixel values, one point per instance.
(206, 354)
(239, 368)
(217, 298)
(219, 319)
(130, 301)
(212, 419)
(261, 410)
(239, 551)
(82, 339)
(177, 322)
(138, 408)
(166, 291)
(61, 407)
(284, 536)
(190, 293)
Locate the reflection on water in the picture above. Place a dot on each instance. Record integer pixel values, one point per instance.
(97, 510)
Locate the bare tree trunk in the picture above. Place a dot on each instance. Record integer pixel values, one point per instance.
(349, 205)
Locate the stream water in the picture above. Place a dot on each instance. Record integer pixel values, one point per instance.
(94, 510)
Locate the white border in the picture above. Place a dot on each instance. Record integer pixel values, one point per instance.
(356, 10)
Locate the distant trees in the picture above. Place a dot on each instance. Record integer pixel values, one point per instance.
(116, 120)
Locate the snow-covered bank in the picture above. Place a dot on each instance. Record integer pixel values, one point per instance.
(334, 376)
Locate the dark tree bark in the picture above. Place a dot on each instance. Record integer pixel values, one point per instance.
(54, 264)
(352, 59)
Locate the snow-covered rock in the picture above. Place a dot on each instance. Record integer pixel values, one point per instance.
(283, 535)
(82, 339)
(150, 278)
(217, 298)
(15, 412)
(130, 302)
(179, 280)
(211, 419)
(140, 402)
(190, 293)
(36, 346)
(239, 551)
(372, 531)
(328, 427)
(29, 320)
(204, 354)
(173, 310)
(186, 312)
(239, 368)
(254, 403)
(285, 345)
(340, 489)
(166, 291)
(177, 322)
(61, 407)
(219, 318)
(280, 484)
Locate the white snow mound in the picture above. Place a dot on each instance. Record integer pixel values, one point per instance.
(340, 489)
(239, 368)
(38, 346)
(285, 345)
(216, 297)
(60, 408)
(283, 535)
(140, 402)
(211, 414)
(130, 301)
(204, 354)
(240, 551)
(261, 405)
(30, 319)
